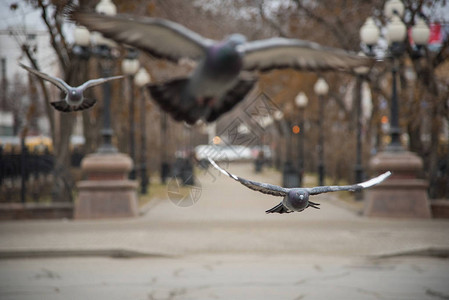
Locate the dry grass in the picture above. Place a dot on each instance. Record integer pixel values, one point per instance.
(155, 191)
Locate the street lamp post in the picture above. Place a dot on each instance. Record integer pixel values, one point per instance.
(106, 192)
(358, 168)
(301, 101)
(141, 79)
(130, 65)
(396, 34)
(165, 167)
(288, 130)
(104, 50)
(278, 115)
(321, 88)
(289, 173)
(408, 192)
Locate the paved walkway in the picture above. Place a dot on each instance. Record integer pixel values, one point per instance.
(226, 247)
(229, 218)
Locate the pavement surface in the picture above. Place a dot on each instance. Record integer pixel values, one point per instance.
(226, 247)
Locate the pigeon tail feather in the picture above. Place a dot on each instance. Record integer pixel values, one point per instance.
(313, 204)
(64, 107)
(232, 98)
(61, 106)
(87, 103)
(169, 96)
(280, 209)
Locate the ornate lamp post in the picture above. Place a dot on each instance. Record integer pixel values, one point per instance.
(278, 115)
(104, 51)
(289, 173)
(321, 88)
(301, 101)
(288, 131)
(165, 167)
(404, 194)
(106, 192)
(361, 73)
(130, 65)
(396, 35)
(141, 79)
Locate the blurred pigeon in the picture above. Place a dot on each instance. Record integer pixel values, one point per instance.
(297, 199)
(218, 83)
(74, 99)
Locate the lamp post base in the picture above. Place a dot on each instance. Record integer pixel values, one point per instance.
(290, 177)
(107, 193)
(402, 195)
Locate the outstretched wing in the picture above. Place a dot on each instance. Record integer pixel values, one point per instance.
(354, 187)
(277, 53)
(94, 82)
(161, 38)
(256, 186)
(56, 81)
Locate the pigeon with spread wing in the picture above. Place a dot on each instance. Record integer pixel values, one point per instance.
(218, 82)
(74, 99)
(297, 199)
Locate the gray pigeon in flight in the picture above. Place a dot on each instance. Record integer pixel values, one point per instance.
(218, 82)
(297, 199)
(74, 99)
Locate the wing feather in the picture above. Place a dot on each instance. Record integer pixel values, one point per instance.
(278, 53)
(265, 188)
(161, 38)
(61, 84)
(352, 188)
(94, 82)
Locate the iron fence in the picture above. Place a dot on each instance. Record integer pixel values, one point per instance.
(26, 176)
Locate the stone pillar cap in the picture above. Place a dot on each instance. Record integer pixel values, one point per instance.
(109, 162)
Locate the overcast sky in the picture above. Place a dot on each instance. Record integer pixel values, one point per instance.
(25, 14)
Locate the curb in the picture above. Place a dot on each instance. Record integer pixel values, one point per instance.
(51, 253)
(424, 252)
(143, 210)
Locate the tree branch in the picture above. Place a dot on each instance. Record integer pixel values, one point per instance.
(62, 60)
(341, 37)
(272, 23)
(61, 35)
(45, 92)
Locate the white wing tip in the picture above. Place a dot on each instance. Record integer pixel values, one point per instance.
(375, 180)
(219, 168)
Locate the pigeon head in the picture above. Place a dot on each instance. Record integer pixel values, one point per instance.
(75, 95)
(224, 57)
(298, 199)
(236, 39)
